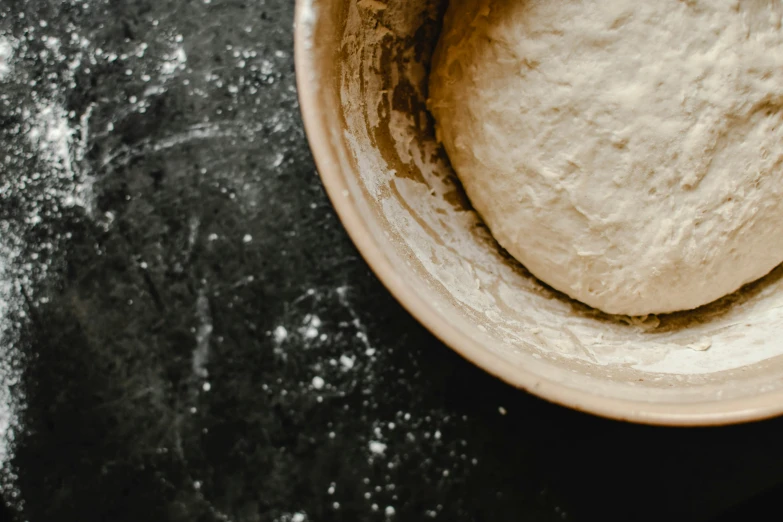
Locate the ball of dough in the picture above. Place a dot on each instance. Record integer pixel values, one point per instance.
(629, 153)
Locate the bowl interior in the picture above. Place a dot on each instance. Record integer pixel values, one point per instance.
(363, 68)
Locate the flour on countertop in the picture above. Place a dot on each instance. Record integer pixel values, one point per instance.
(327, 324)
(6, 52)
(203, 335)
(47, 132)
(9, 301)
(57, 140)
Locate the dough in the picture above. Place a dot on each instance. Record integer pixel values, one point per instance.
(629, 153)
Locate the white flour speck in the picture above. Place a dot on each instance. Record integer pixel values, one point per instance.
(377, 448)
(310, 328)
(280, 334)
(347, 362)
(174, 61)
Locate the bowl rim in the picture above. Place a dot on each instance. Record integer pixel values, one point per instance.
(317, 128)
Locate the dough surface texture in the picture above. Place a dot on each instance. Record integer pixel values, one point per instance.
(629, 153)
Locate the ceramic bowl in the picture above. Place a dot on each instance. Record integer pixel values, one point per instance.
(362, 69)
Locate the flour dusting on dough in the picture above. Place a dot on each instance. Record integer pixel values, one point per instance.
(627, 153)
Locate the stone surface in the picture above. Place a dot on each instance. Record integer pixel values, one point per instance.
(188, 334)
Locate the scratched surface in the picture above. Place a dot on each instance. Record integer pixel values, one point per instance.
(187, 334)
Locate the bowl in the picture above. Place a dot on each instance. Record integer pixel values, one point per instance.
(362, 69)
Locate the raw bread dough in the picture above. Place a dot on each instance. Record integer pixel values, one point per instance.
(629, 153)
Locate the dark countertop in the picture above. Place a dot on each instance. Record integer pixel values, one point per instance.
(188, 334)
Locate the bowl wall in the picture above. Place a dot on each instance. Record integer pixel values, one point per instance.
(362, 70)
